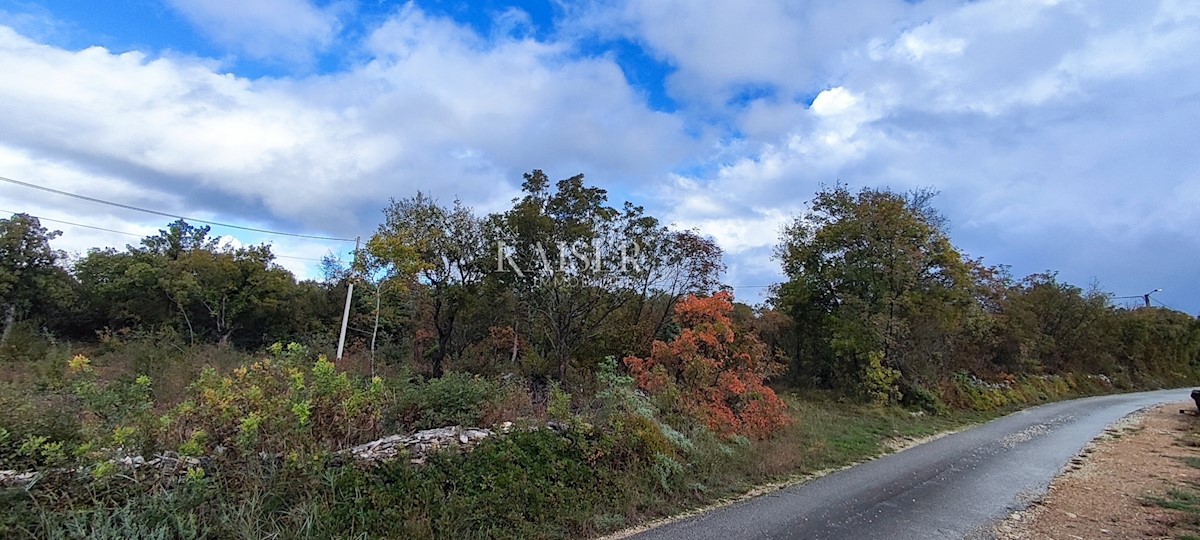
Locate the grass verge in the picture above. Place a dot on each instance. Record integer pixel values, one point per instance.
(624, 458)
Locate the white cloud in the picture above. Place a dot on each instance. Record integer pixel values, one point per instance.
(719, 48)
(1060, 133)
(434, 107)
(525, 103)
(289, 30)
(177, 121)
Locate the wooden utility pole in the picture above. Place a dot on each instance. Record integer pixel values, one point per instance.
(349, 294)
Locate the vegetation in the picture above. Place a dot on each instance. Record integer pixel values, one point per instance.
(884, 309)
(635, 383)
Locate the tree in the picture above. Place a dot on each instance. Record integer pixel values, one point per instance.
(236, 293)
(1158, 345)
(178, 239)
(717, 372)
(121, 289)
(28, 267)
(443, 250)
(1055, 327)
(183, 279)
(589, 278)
(570, 260)
(865, 272)
(674, 264)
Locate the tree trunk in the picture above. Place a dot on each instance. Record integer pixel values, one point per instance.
(513, 360)
(440, 354)
(562, 356)
(10, 317)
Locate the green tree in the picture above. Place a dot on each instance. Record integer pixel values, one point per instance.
(121, 289)
(1158, 345)
(178, 239)
(570, 261)
(183, 279)
(30, 278)
(442, 250)
(1054, 327)
(589, 279)
(236, 293)
(866, 273)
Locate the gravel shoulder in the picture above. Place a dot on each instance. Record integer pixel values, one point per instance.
(1104, 491)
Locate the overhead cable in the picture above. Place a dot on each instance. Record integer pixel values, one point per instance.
(168, 214)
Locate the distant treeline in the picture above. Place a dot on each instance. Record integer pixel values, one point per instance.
(878, 304)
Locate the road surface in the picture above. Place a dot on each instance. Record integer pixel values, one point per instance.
(957, 486)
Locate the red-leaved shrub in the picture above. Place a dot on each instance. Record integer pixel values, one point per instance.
(718, 372)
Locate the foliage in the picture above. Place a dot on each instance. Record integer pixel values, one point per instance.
(455, 399)
(31, 282)
(443, 248)
(25, 416)
(719, 375)
(867, 273)
(879, 302)
(590, 273)
(117, 415)
(83, 419)
(285, 403)
(184, 280)
(878, 307)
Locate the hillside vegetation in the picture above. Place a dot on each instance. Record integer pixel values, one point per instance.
(634, 382)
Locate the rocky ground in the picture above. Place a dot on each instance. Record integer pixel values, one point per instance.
(1106, 492)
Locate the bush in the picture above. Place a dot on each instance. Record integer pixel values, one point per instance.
(454, 399)
(718, 373)
(89, 420)
(924, 399)
(25, 344)
(525, 485)
(279, 404)
(24, 416)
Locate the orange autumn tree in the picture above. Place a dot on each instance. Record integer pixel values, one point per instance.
(717, 372)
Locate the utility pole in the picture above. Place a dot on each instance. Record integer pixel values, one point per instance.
(1146, 296)
(375, 330)
(349, 294)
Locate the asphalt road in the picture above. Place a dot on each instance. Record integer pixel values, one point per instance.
(954, 487)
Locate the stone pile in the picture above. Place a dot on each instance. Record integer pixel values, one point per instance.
(417, 446)
(14, 478)
(167, 464)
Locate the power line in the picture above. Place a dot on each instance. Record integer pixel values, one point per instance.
(73, 224)
(39, 218)
(298, 258)
(1160, 302)
(165, 214)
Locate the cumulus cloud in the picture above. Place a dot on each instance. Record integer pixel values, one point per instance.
(1060, 133)
(433, 106)
(289, 30)
(178, 125)
(1030, 117)
(775, 49)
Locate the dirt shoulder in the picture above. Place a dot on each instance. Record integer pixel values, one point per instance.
(1106, 490)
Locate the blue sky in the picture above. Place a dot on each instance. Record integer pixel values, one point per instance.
(1061, 133)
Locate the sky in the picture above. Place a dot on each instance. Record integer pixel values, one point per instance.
(1062, 135)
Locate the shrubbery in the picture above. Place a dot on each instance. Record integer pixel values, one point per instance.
(267, 430)
(287, 403)
(714, 372)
